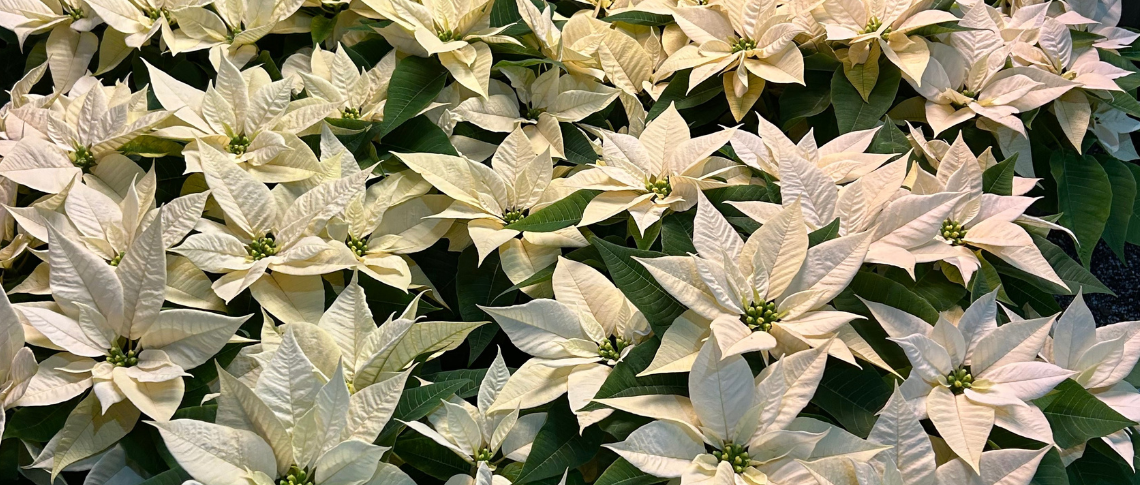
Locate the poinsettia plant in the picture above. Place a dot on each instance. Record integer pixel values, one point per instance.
(536, 242)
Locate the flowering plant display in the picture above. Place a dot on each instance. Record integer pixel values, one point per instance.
(566, 242)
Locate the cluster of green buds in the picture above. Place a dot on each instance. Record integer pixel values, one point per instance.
(233, 34)
(735, 455)
(484, 454)
(760, 315)
(533, 113)
(953, 232)
(959, 380)
(72, 11)
(116, 260)
(661, 187)
(238, 144)
(296, 476)
(512, 215)
(447, 35)
(611, 348)
(262, 247)
(873, 25)
(350, 113)
(741, 45)
(83, 158)
(157, 13)
(358, 246)
(117, 358)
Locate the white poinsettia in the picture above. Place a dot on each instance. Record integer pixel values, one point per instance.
(980, 221)
(998, 467)
(662, 169)
(264, 230)
(295, 425)
(911, 456)
(79, 132)
(117, 341)
(252, 120)
(231, 29)
(769, 293)
(456, 31)
(970, 375)
(70, 42)
(1113, 129)
(959, 86)
(331, 75)
(750, 42)
(17, 363)
(751, 423)
(1055, 53)
(134, 23)
(549, 98)
(843, 159)
(575, 340)
(1101, 357)
(498, 111)
(867, 26)
(1104, 17)
(383, 224)
(347, 335)
(479, 433)
(491, 198)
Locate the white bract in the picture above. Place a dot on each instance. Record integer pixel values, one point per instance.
(751, 424)
(970, 375)
(575, 340)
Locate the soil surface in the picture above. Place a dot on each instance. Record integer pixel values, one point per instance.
(1122, 278)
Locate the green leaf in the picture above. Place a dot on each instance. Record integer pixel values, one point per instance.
(418, 402)
(1124, 102)
(853, 396)
(677, 234)
(1051, 470)
(622, 472)
(1134, 223)
(1075, 276)
(205, 412)
(321, 28)
(676, 93)
(623, 380)
(998, 179)
(879, 289)
(1082, 39)
(1077, 416)
(414, 85)
(173, 476)
(804, 101)
(1129, 82)
(429, 457)
(738, 193)
(985, 280)
(472, 376)
(1123, 199)
(852, 113)
(541, 276)
(890, 139)
(559, 215)
(635, 282)
(558, 445)
(941, 293)
(1084, 197)
(358, 141)
(577, 147)
(152, 147)
(481, 285)
(824, 234)
(38, 424)
(418, 135)
(640, 18)
(942, 28)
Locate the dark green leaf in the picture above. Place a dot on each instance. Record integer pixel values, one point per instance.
(824, 234)
(677, 234)
(559, 446)
(1123, 199)
(622, 472)
(152, 147)
(1077, 416)
(851, 112)
(1084, 197)
(39, 423)
(1082, 39)
(890, 139)
(321, 28)
(640, 18)
(414, 85)
(1051, 470)
(635, 282)
(481, 285)
(419, 135)
(998, 179)
(1124, 102)
(472, 376)
(879, 289)
(942, 28)
(418, 402)
(559, 215)
(676, 94)
(853, 396)
(804, 101)
(576, 146)
(429, 457)
(623, 381)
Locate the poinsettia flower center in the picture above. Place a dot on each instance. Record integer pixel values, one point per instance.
(960, 379)
(953, 232)
(118, 358)
(83, 158)
(262, 247)
(759, 316)
(116, 260)
(659, 186)
(873, 25)
(484, 454)
(296, 476)
(448, 35)
(357, 245)
(72, 11)
(238, 144)
(513, 215)
(735, 455)
(350, 113)
(744, 44)
(611, 348)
